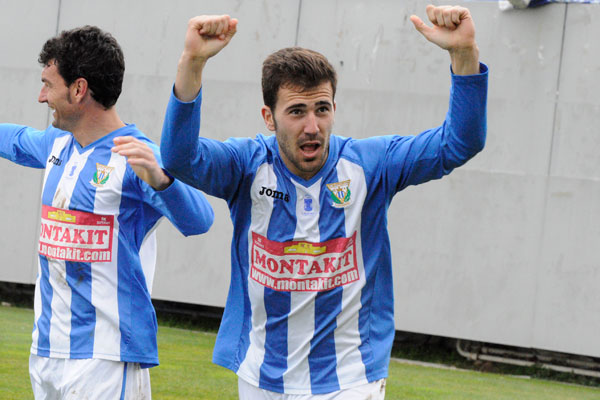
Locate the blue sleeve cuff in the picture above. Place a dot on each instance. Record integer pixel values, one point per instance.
(483, 70)
(175, 99)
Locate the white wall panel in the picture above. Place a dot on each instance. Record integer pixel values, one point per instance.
(464, 251)
(567, 301)
(577, 135)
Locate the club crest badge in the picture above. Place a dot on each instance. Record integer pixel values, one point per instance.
(101, 175)
(340, 193)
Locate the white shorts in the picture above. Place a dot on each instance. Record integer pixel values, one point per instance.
(372, 391)
(66, 379)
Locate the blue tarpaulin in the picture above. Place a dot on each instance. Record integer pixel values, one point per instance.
(536, 3)
(507, 4)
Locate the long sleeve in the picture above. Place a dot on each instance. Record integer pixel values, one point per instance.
(24, 145)
(187, 208)
(436, 152)
(215, 167)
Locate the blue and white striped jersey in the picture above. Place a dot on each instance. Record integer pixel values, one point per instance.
(310, 305)
(97, 244)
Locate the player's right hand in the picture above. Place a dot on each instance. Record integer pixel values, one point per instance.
(207, 35)
(142, 160)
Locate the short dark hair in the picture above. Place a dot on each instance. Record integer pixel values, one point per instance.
(295, 67)
(89, 53)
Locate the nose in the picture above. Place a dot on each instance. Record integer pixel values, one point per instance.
(310, 123)
(43, 97)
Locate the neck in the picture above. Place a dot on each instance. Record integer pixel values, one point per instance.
(95, 124)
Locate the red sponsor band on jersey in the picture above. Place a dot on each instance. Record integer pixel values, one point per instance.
(304, 266)
(75, 235)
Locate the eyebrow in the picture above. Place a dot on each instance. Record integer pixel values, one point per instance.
(297, 105)
(303, 105)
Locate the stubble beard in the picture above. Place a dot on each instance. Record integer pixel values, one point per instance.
(286, 150)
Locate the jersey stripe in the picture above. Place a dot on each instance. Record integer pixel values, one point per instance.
(261, 215)
(44, 294)
(78, 276)
(61, 150)
(130, 300)
(323, 352)
(278, 304)
(277, 307)
(376, 318)
(323, 355)
(148, 256)
(349, 335)
(41, 336)
(104, 274)
(60, 321)
(302, 323)
(83, 320)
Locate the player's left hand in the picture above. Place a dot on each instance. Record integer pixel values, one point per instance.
(453, 30)
(142, 160)
(453, 27)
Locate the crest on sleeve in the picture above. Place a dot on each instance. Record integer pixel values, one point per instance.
(340, 193)
(101, 175)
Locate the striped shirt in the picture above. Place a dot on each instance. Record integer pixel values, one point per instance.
(310, 305)
(97, 244)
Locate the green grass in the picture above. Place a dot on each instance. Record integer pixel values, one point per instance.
(15, 340)
(186, 369)
(186, 372)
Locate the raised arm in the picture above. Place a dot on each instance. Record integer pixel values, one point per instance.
(412, 160)
(206, 164)
(206, 35)
(452, 30)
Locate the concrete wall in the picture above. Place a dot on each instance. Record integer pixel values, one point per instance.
(505, 250)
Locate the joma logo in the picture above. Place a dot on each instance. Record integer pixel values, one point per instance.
(55, 161)
(274, 194)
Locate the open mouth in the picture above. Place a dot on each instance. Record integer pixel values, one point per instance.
(310, 149)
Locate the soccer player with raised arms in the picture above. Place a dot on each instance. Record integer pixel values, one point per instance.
(310, 308)
(103, 195)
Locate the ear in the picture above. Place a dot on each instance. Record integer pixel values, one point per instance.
(79, 89)
(267, 115)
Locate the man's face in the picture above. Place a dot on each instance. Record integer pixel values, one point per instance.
(302, 121)
(57, 95)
